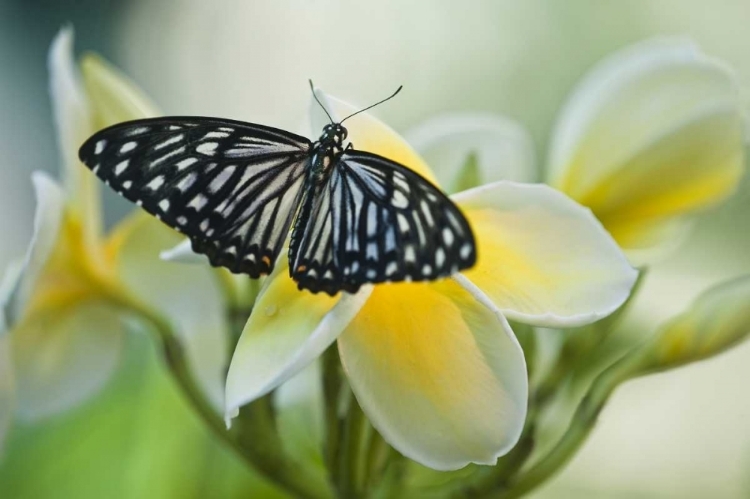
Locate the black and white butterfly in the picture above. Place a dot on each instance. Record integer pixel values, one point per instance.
(235, 188)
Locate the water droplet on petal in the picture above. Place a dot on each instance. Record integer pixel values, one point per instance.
(271, 310)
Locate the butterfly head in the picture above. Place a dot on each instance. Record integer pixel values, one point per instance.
(334, 134)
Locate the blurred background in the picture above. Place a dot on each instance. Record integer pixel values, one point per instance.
(685, 433)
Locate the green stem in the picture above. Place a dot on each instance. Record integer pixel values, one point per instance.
(332, 385)
(580, 427)
(263, 451)
(375, 459)
(349, 484)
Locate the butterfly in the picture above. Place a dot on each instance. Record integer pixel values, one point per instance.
(235, 189)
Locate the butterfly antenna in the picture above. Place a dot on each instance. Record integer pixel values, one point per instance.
(312, 89)
(376, 104)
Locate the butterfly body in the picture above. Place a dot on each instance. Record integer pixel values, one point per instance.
(235, 189)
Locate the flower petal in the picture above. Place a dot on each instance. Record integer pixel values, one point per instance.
(287, 330)
(368, 133)
(62, 356)
(114, 98)
(187, 295)
(73, 125)
(438, 372)
(652, 133)
(183, 252)
(544, 259)
(47, 222)
(502, 148)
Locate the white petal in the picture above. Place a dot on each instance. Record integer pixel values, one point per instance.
(652, 133)
(183, 253)
(188, 296)
(47, 219)
(543, 258)
(503, 148)
(438, 372)
(287, 330)
(73, 125)
(63, 357)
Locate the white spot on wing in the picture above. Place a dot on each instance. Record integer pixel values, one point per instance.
(100, 146)
(207, 148)
(156, 183)
(399, 200)
(447, 236)
(164, 205)
(198, 202)
(439, 257)
(465, 251)
(128, 146)
(409, 254)
(121, 166)
(127, 184)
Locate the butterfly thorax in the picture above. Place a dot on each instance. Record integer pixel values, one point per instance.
(326, 150)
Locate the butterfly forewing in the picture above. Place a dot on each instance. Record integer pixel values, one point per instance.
(386, 222)
(232, 187)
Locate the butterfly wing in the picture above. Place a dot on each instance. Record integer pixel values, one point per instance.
(380, 222)
(232, 187)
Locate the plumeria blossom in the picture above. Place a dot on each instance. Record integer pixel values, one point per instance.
(435, 366)
(652, 134)
(66, 307)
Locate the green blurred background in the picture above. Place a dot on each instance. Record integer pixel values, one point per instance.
(685, 433)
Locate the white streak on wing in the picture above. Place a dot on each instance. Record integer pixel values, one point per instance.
(391, 269)
(409, 254)
(215, 135)
(221, 179)
(403, 223)
(426, 212)
(207, 148)
(372, 219)
(169, 141)
(187, 181)
(138, 131)
(186, 162)
(390, 239)
(174, 152)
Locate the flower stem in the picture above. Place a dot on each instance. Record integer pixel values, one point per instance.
(332, 384)
(263, 450)
(580, 427)
(349, 484)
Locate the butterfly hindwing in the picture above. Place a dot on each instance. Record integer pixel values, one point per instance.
(232, 187)
(382, 222)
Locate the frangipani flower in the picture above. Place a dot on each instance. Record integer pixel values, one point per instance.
(435, 366)
(66, 311)
(650, 135)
